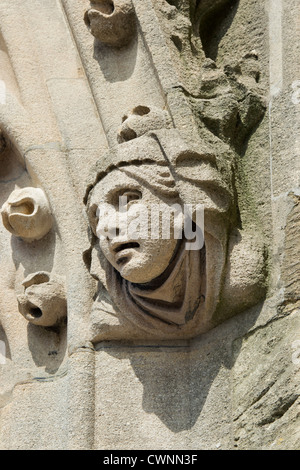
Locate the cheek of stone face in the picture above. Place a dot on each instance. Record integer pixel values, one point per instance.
(147, 262)
(104, 246)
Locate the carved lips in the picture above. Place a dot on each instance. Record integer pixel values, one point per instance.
(123, 251)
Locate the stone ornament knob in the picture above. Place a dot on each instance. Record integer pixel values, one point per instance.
(44, 300)
(143, 119)
(111, 21)
(26, 214)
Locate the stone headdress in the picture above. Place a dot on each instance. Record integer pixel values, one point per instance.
(163, 160)
(171, 167)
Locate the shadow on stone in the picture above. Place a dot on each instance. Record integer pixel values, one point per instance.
(47, 346)
(180, 380)
(116, 64)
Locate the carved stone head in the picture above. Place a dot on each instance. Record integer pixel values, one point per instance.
(163, 286)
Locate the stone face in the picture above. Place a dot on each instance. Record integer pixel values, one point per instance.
(137, 338)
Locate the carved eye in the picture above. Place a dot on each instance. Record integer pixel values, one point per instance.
(129, 196)
(132, 195)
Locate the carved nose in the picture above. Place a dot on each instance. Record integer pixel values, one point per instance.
(113, 226)
(110, 231)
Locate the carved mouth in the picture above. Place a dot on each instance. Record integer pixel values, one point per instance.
(123, 252)
(125, 246)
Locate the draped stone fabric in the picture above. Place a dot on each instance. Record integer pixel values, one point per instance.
(174, 299)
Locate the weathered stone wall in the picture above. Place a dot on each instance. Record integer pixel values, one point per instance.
(77, 372)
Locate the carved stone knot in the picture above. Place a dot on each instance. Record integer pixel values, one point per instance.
(44, 300)
(141, 120)
(111, 21)
(26, 214)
